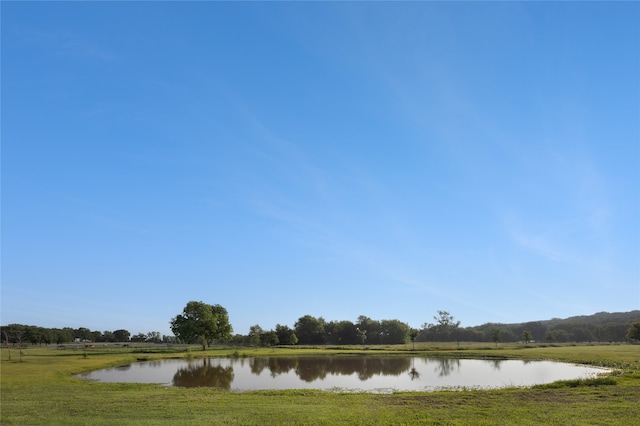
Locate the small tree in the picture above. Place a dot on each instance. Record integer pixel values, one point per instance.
(19, 338)
(496, 336)
(6, 337)
(413, 333)
(526, 336)
(446, 325)
(18, 332)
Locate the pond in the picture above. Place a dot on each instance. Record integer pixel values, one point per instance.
(379, 374)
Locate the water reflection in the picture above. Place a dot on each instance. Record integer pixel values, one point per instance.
(310, 369)
(367, 373)
(446, 366)
(414, 374)
(204, 374)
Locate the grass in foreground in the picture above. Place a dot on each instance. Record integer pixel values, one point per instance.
(42, 390)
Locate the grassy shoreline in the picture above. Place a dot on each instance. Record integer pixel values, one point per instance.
(42, 390)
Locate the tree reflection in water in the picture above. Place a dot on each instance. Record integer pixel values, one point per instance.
(413, 373)
(328, 372)
(124, 367)
(279, 366)
(204, 374)
(445, 366)
(314, 368)
(309, 369)
(276, 365)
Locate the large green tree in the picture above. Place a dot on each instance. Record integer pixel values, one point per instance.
(121, 335)
(445, 326)
(310, 330)
(202, 322)
(393, 332)
(369, 327)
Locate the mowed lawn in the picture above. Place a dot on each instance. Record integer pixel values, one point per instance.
(42, 391)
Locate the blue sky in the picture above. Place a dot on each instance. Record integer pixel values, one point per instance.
(331, 159)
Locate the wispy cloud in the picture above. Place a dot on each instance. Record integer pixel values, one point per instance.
(389, 263)
(541, 244)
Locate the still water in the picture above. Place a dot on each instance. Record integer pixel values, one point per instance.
(348, 373)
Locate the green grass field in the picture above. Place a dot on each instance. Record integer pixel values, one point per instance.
(42, 391)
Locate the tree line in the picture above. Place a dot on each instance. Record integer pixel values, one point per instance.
(601, 327)
(203, 323)
(309, 330)
(35, 335)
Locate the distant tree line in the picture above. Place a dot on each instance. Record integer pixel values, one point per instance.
(34, 335)
(601, 327)
(310, 330)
